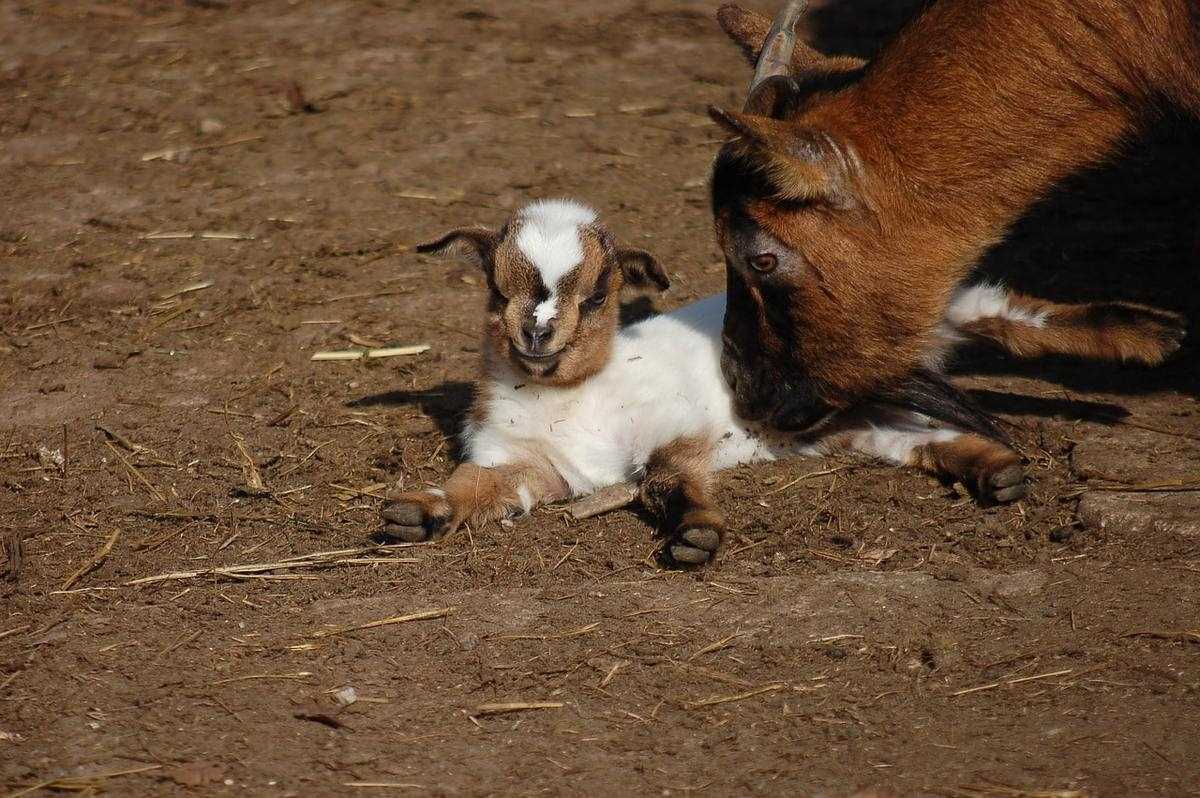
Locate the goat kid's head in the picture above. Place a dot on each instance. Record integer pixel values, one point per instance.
(814, 323)
(554, 274)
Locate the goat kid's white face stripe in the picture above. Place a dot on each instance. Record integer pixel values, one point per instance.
(549, 238)
(546, 311)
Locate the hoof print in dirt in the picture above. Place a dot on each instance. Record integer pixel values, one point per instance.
(410, 522)
(1003, 486)
(691, 548)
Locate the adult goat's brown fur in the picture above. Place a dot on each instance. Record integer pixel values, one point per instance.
(855, 198)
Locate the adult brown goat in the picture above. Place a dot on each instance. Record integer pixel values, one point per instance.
(855, 198)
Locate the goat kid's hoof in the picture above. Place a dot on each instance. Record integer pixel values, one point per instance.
(415, 519)
(692, 547)
(1003, 485)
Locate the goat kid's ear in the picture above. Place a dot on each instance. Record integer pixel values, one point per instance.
(802, 163)
(477, 244)
(641, 269)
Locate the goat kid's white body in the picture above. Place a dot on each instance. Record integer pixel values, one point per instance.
(662, 383)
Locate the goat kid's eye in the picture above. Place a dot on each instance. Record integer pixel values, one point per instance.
(595, 301)
(763, 263)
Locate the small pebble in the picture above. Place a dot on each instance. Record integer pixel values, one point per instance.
(1062, 534)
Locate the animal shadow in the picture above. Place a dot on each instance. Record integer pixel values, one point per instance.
(1064, 407)
(1127, 230)
(446, 404)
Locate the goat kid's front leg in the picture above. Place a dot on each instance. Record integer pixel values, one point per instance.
(473, 495)
(675, 489)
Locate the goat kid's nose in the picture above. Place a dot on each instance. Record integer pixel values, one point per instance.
(535, 336)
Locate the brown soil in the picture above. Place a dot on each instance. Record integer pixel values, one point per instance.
(833, 650)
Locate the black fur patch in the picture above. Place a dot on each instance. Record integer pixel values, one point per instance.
(736, 180)
(932, 395)
(540, 292)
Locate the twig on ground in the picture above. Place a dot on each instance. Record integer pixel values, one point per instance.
(88, 783)
(1183, 636)
(15, 631)
(133, 470)
(371, 490)
(605, 500)
(358, 354)
(53, 323)
(258, 676)
(94, 562)
(187, 289)
(321, 559)
(515, 706)
(284, 416)
(425, 615)
(726, 699)
(803, 477)
(120, 439)
(252, 480)
(562, 636)
(1021, 680)
(172, 154)
(718, 645)
(367, 295)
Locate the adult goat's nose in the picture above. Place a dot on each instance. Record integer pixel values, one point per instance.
(535, 335)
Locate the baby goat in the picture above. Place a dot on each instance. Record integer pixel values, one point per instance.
(569, 403)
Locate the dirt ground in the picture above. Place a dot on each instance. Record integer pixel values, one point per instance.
(196, 196)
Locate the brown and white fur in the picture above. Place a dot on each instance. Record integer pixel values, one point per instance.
(569, 403)
(854, 199)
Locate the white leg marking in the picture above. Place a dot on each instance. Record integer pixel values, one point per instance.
(526, 498)
(985, 301)
(897, 445)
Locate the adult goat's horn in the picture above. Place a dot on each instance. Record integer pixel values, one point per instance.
(776, 56)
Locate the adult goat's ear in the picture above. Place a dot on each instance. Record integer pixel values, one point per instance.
(641, 269)
(802, 163)
(476, 244)
(931, 394)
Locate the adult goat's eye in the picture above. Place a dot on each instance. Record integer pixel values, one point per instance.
(763, 263)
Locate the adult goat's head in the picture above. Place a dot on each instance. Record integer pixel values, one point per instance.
(826, 307)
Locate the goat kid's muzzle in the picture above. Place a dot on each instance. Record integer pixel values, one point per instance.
(536, 363)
